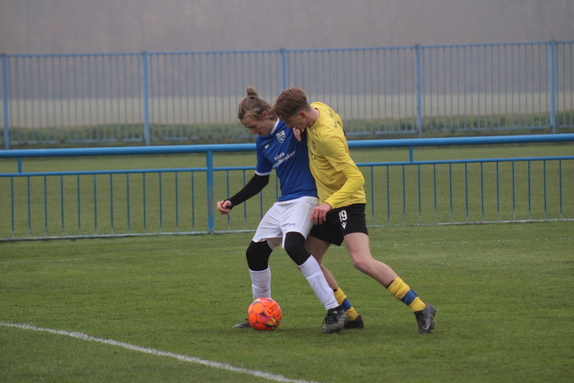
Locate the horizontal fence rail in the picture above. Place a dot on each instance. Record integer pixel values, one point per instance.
(134, 200)
(158, 97)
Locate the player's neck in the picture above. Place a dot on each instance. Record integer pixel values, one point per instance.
(312, 117)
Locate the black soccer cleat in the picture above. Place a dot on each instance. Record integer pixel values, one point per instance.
(244, 324)
(355, 324)
(425, 319)
(334, 321)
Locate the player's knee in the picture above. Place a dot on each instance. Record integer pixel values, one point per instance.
(361, 264)
(257, 255)
(295, 247)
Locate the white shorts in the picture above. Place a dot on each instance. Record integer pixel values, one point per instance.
(284, 217)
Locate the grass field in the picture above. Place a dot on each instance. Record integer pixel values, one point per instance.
(503, 294)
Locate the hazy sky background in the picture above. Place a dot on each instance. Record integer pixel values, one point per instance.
(109, 26)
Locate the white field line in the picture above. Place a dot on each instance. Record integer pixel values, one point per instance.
(183, 358)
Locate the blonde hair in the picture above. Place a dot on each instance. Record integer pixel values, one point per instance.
(253, 106)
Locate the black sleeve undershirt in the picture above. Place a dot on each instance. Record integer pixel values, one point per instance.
(253, 187)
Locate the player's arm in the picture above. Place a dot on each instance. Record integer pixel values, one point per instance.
(354, 181)
(336, 153)
(253, 187)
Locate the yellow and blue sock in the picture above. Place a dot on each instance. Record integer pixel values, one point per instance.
(403, 292)
(342, 300)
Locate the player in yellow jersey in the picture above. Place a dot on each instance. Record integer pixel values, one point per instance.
(340, 215)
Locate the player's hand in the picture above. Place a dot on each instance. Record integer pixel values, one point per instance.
(297, 133)
(319, 214)
(224, 207)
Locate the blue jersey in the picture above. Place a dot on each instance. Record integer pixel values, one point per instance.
(281, 151)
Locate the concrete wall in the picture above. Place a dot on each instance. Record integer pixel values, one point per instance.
(108, 26)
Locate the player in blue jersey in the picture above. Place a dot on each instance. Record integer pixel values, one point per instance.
(287, 222)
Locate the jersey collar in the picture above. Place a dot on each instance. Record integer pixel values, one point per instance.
(274, 127)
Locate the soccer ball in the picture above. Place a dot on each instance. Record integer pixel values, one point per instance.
(264, 314)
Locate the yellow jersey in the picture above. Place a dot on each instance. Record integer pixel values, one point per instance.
(339, 181)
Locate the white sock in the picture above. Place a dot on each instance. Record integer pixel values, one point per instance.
(312, 271)
(261, 283)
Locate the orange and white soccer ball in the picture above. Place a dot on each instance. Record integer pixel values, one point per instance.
(264, 314)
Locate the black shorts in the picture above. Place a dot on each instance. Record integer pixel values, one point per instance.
(340, 222)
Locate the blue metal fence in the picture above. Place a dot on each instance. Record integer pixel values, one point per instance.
(158, 97)
(132, 200)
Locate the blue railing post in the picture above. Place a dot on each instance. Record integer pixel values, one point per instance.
(552, 85)
(5, 100)
(17, 188)
(145, 98)
(209, 176)
(441, 89)
(419, 83)
(283, 68)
